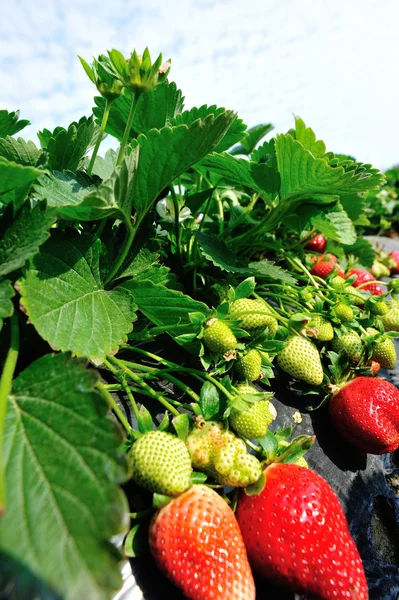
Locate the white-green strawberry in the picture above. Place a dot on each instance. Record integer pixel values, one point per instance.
(343, 312)
(391, 319)
(351, 344)
(219, 453)
(383, 352)
(249, 366)
(254, 422)
(254, 316)
(379, 308)
(323, 329)
(161, 463)
(301, 359)
(218, 337)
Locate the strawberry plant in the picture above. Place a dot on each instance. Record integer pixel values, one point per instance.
(183, 272)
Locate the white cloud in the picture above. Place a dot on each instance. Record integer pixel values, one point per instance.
(332, 63)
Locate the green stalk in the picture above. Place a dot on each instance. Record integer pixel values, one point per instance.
(107, 108)
(127, 129)
(5, 389)
(151, 392)
(113, 405)
(160, 373)
(177, 222)
(125, 250)
(167, 363)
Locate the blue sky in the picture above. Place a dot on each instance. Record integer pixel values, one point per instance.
(334, 64)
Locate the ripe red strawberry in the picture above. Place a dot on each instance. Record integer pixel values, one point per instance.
(317, 244)
(365, 412)
(324, 265)
(362, 276)
(394, 263)
(296, 533)
(196, 542)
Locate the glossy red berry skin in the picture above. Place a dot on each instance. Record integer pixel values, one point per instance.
(197, 543)
(365, 412)
(324, 265)
(317, 244)
(362, 276)
(297, 535)
(394, 255)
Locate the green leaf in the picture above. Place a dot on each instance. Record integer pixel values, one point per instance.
(209, 400)
(168, 309)
(198, 477)
(22, 234)
(215, 250)
(234, 134)
(363, 250)
(307, 137)
(144, 421)
(252, 138)
(335, 226)
(353, 204)
(181, 424)
(62, 461)
(64, 297)
(196, 200)
(10, 123)
(75, 197)
(245, 288)
(304, 177)
(6, 306)
(66, 193)
(136, 543)
(67, 147)
(104, 167)
(163, 155)
(269, 444)
(266, 154)
(141, 263)
(255, 488)
(154, 110)
(19, 151)
(259, 177)
(13, 176)
(267, 268)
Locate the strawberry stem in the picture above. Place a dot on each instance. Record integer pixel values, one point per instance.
(145, 387)
(107, 108)
(113, 405)
(5, 389)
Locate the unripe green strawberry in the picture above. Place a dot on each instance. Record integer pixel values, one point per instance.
(379, 308)
(301, 359)
(337, 282)
(323, 327)
(220, 291)
(218, 337)
(391, 319)
(252, 423)
(223, 456)
(343, 312)
(298, 461)
(249, 366)
(351, 344)
(254, 316)
(383, 352)
(355, 296)
(148, 457)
